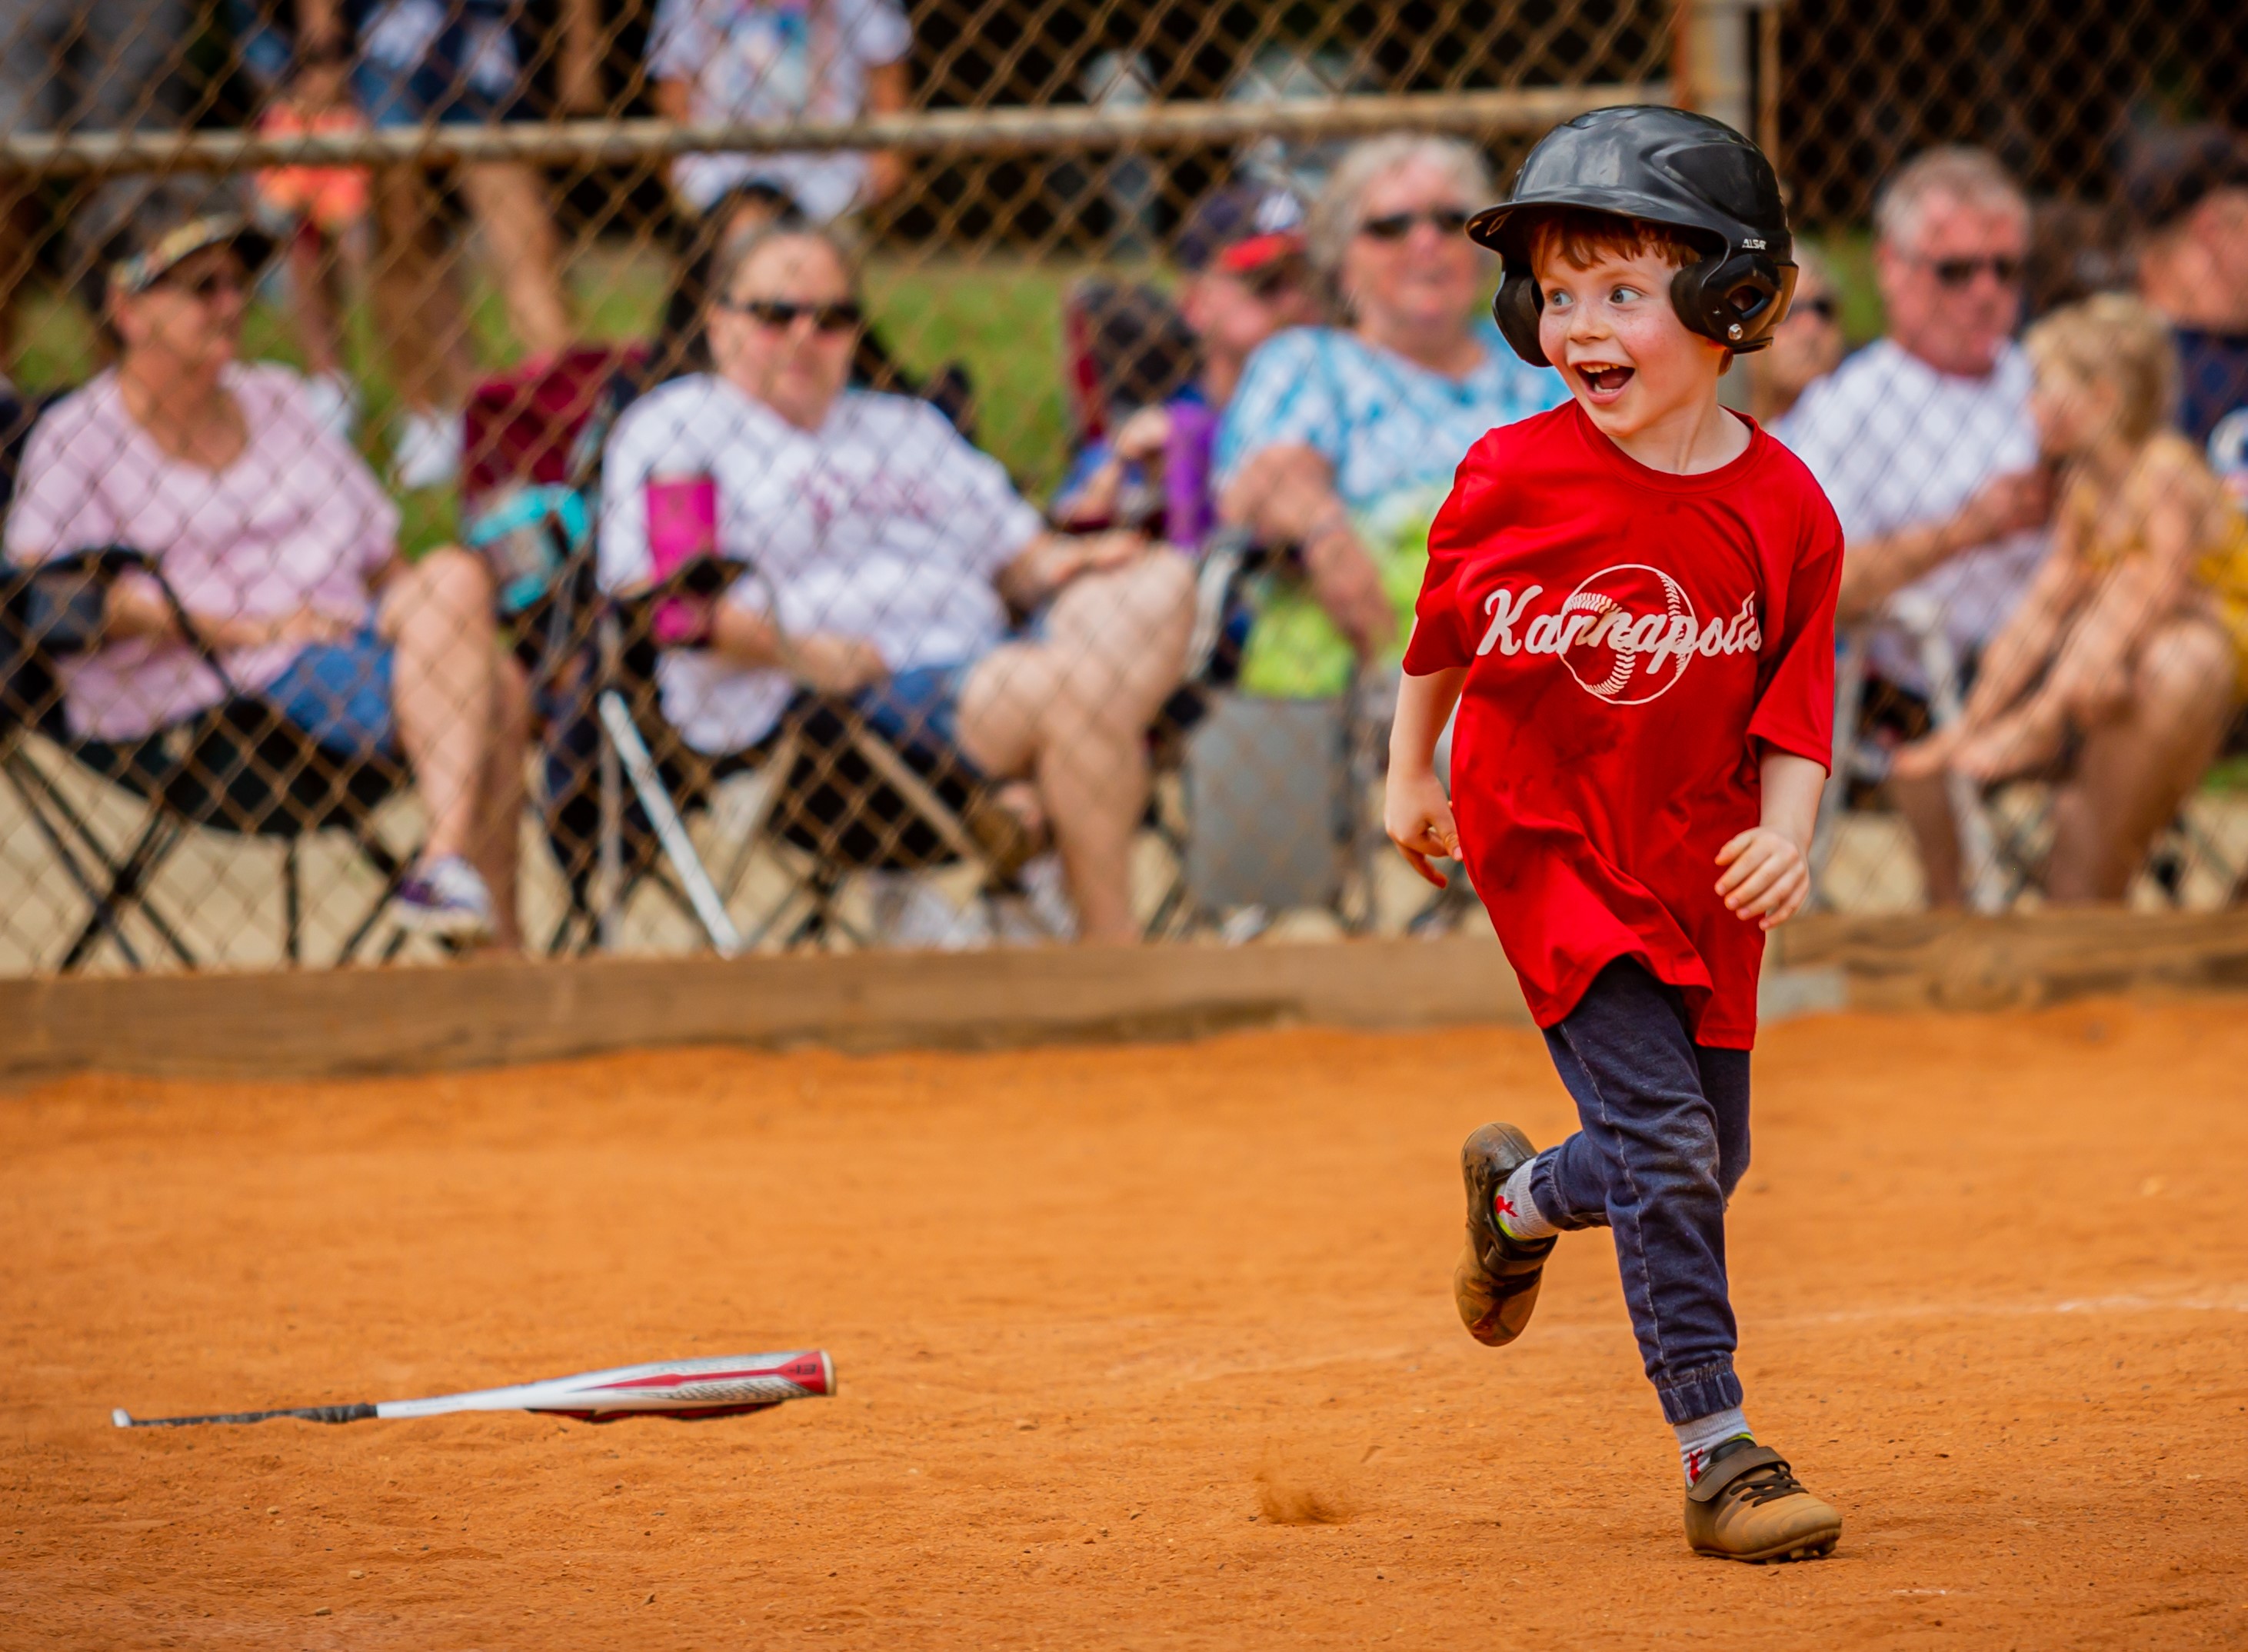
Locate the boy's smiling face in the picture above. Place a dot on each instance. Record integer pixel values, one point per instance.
(1612, 331)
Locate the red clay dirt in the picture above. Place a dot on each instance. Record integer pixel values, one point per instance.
(1146, 1346)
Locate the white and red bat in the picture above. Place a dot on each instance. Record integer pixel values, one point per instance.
(685, 1389)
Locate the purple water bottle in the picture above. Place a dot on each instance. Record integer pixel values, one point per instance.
(1189, 513)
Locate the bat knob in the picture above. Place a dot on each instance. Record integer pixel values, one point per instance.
(121, 1417)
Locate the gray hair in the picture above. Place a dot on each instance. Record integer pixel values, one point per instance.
(1337, 214)
(1971, 176)
(733, 254)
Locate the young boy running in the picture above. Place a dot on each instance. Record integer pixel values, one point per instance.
(1631, 601)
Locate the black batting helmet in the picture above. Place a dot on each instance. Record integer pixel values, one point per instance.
(1663, 165)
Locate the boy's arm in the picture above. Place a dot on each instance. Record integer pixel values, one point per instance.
(1768, 868)
(1414, 810)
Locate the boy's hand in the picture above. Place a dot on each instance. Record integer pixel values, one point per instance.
(1418, 818)
(1767, 876)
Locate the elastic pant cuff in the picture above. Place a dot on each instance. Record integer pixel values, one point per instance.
(1697, 1392)
(1547, 1198)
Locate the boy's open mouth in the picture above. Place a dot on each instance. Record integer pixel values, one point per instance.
(1603, 379)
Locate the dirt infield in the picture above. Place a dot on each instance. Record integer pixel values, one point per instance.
(1146, 1346)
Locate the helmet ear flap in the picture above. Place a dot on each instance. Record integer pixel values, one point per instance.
(1516, 309)
(1734, 301)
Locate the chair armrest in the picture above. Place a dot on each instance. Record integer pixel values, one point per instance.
(1230, 556)
(65, 600)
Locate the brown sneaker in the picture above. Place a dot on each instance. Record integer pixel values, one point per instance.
(1496, 1284)
(1748, 1506)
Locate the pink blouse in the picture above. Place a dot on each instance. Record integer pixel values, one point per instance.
(297, 521)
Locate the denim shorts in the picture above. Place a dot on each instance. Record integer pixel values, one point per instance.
(918, 709)
(340, 694)
(443, 85)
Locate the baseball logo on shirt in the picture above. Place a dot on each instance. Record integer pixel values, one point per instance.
(1626, 634)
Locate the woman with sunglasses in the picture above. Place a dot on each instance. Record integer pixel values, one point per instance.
(886, 553)
(283, 550)
(1342, 440)
(1806, 347)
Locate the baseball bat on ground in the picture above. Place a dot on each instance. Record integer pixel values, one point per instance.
(684, 1390)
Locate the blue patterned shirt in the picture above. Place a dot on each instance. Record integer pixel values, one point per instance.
(1383, 422)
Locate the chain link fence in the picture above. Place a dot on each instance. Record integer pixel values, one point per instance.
(446, 504)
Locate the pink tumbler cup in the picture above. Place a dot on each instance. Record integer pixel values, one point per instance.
(683, 525)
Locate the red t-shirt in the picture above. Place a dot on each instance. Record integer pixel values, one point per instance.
(1630, 638)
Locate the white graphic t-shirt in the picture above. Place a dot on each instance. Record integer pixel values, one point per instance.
(882, 524)
(770, 63)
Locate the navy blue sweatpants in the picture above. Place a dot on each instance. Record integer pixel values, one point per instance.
(1663, 1139)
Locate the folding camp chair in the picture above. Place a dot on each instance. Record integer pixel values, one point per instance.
(830, 797)
(239, 768)
(1269, 811)
(2003, 835)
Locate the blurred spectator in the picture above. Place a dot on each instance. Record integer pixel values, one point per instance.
(2133, 635)
(1925, 443)
(1343, 440)
(769, 63)
(2188, 190)
(319, 214)
(679, 346)
(1805, 347)
(452, 63)
(284, 553)
(888, 553)
(1242, 253)
(71, 65)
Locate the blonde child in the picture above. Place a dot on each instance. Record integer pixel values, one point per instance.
(2142, 602)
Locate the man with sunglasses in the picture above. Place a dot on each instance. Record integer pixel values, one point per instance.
(1924, 441)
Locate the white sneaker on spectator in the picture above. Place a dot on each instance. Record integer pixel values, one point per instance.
(1042, 911)
(445, 897)
(910, 911)
(335, 402)
(426, 452)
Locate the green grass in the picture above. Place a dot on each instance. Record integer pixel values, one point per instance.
(1849, 254)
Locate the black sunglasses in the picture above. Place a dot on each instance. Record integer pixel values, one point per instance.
(843, 315)
(207, 285)
(1961, 272)
(1396, 226)
(1820, 305)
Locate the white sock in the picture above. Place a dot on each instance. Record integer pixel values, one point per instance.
(1704, 1434)
(1517, 1213)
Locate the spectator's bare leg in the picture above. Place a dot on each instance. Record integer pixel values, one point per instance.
(416, 306)
(1925, 803)
(1073, 711)
(437, 618)
(2138, 765)
(510, 202)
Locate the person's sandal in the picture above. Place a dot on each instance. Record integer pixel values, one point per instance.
(1747, 1504)
(1495, 1285)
